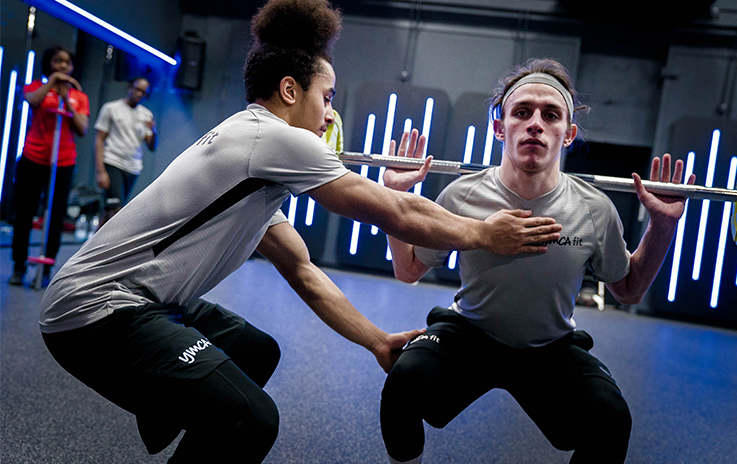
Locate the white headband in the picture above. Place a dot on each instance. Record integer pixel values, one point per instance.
(542, 78)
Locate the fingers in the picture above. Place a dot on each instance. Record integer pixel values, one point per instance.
(655, 170)
(665, 170)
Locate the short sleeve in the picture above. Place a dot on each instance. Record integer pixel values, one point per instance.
(297, 159)
(104, 119)
(278, 218)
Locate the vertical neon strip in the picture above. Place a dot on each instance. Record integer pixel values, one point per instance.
(26, 107)
(452, 260)
(2, 51)
(6, 129)
(380, 180)
(705, 205)
(310, 212)
(489, 144)
(426, 124)
(723, 237)
(292, 209)
(468, 150)
(367, 142)
(679, 235)
(389, 127)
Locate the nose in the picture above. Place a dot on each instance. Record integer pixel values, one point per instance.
(535, 122)
(329, 116)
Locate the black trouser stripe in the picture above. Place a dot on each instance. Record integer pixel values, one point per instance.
(224, 202)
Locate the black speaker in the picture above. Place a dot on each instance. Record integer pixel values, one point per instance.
(191, 51)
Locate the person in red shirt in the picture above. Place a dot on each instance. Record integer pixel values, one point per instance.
(34, 167)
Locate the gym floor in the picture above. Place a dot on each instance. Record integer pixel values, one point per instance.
(680, 381)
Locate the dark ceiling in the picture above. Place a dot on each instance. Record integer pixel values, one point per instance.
(622, 27)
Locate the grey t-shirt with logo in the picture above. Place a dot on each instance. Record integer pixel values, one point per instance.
(195, 224)
(527, 300)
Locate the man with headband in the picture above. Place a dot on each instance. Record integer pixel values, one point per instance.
(510, 325)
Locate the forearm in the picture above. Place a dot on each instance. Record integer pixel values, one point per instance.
(419, 221)
(333, 308)
(152, 140)
(79, 121)
(645, 263)
(407, 267)
(37, 96)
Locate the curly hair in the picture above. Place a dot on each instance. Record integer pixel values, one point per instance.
(534, 65)
(49, 54)
(290, 37)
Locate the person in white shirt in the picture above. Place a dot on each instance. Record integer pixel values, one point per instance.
(122, 127)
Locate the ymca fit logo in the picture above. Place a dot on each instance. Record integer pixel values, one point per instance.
(189, 354)
(432, 338)
(564, 241)
(207, 138)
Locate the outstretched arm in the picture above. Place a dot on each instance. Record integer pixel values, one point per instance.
(284, 247)
(664, 215)
(417, 220)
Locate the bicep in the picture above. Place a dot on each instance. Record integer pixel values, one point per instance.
(355, 197)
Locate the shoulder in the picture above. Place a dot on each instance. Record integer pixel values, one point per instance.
(33, 86)
(598, 203)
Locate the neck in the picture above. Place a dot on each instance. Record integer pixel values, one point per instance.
(529, 184)
(131, 104)
(276, 106)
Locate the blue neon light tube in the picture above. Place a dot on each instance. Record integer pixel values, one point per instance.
(86, 21)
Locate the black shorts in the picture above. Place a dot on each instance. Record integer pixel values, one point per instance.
(121, 186)
(452, 335)
(152, 341)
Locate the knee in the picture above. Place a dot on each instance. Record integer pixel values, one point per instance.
(265, 427)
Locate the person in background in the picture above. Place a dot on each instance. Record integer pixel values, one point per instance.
(33, 169)
(334, 135)
(122, 127)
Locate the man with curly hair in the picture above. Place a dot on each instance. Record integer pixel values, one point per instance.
(124, 314)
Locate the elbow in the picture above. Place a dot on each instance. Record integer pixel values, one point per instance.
(628, 298)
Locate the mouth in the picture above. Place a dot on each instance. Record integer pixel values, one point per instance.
(533, 142)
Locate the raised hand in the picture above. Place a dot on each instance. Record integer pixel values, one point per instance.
(663, 208)
(412, 145)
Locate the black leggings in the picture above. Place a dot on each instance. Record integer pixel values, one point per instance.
(566, 391)
(31, 181)
(227, 415)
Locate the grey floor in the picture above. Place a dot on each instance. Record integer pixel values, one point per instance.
(680, 381)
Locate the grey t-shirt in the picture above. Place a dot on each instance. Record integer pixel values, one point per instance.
(195, 224)
(527, 300)
(126, 128)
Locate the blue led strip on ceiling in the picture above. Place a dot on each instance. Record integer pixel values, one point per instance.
(86, 21)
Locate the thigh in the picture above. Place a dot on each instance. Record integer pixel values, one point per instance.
(255, 352)
(450, 353)
(117, 184)
(569, 394)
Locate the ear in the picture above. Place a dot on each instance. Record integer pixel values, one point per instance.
(570, 135)
(288, 89)
(499, 129)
